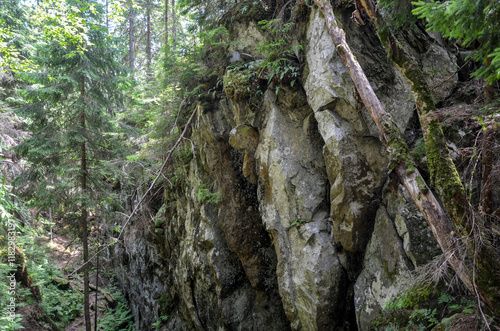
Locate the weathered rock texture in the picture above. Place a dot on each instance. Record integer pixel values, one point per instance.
(281, 220)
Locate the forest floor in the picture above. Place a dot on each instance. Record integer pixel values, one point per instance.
(65, 255)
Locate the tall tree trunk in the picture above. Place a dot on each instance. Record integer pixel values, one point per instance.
(83, 184)
(488, 142)
(97, 271)
(435, 215)
(148, 40)
(489, 89)
(174, 26)
(487, 181)
(166, 23)
(131, 38)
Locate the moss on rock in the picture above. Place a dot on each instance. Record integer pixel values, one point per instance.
(237, 84)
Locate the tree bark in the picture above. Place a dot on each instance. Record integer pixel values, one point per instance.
(83, 184)
(166, 23)
(174, 26)
(96, 273)
(487, 185)
(438, 220)
(148, 40)
(131, 38)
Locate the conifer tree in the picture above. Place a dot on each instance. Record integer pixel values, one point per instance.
(69, 107)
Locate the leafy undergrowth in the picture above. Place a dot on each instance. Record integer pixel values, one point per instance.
(61, 305)
(431, 308)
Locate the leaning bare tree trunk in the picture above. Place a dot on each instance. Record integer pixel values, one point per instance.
(444, 175)
(438, 220)
(96, 273)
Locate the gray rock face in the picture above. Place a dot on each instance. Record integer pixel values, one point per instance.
(440, 70)
(401, 241)
(419, 244)
(293, 190)
(356, 160)
(279, 219)
(248, 35)
(385, 268)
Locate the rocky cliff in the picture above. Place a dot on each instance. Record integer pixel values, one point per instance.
(284, 215)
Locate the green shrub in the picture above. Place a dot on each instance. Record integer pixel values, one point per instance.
(205, 196)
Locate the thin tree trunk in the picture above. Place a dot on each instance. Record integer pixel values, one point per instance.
(166, 23)
(489, 89)
(487, 185)
(96, 273)
(50, 220)
(430, 207)
(131, 38)
(174, 26)
(148, 40)
(83, 183)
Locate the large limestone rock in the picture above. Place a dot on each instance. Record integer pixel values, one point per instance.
(293, 203)
(248, 36)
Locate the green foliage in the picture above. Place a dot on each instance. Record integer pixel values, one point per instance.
(8, 224)
(205, 196)
(281, 36)
(204, 14)
(280, 64)
(418, 151)
(65, 22)
(10, 56)
(7, 322)
(16, 38)
(422, 307)
(7, 206)
(242, 82)
(63, 306)
(472, 24)
(77, 77)
(118, 318)
(161, 320)
(297, 223)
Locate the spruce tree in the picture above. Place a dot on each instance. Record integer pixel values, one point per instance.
(69, 108)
